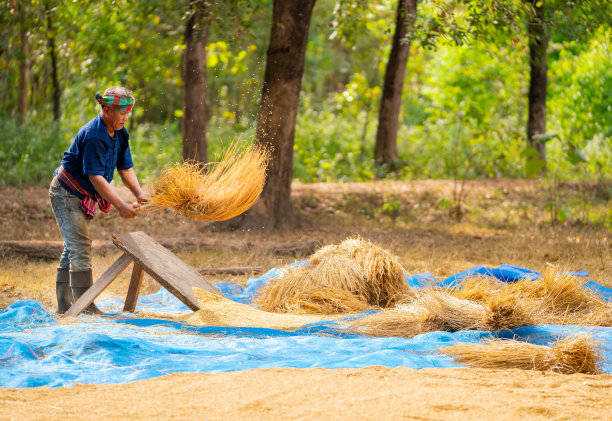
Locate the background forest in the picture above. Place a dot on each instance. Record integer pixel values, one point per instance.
(464, 102)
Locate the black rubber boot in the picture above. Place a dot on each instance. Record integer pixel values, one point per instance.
(62, 290)
(80, 281)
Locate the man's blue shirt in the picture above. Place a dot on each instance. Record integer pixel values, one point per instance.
(94, 152)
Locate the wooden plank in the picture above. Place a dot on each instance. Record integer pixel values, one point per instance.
(134, 288)
(164, 266)
(100, 285)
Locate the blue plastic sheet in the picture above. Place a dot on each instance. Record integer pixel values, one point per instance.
(37, 349)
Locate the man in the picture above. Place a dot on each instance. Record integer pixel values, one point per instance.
(82, 180)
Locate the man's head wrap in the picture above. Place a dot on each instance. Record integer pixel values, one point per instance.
(115, 101)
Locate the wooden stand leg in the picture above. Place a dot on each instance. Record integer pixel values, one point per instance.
(134, 288)
(100, 285)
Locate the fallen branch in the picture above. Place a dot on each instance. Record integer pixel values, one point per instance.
(238, 270)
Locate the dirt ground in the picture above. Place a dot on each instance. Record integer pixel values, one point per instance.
(370, 393)
(502, 221)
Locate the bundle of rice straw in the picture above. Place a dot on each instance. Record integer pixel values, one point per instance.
(562, 298)
(385, 284)
(556, 297)
(577, 354)
(404, 321)
(334, 285)
(445, 312)
(433, 310)
(506, 310)
(217, 191)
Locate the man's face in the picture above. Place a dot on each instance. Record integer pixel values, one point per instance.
(116, 119)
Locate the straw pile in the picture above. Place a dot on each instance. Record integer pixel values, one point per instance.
(577, 354)
(486, 304)
(216, 310)
(434, 309)
(556, 298)
(353, 276)
(445, 312)
(562, 299)
(505, 308)
(334, 285)
(405, 321)
(214, 192)
(384, 274)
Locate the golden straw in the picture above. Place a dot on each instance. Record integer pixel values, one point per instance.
(217, 191)
(577, 354)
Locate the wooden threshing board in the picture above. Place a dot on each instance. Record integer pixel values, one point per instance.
(151, 257)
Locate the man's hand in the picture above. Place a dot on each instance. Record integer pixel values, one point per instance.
(142, 198)
(127, 210)
(108, 193)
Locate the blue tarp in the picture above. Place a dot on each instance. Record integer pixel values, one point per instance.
(37, 348)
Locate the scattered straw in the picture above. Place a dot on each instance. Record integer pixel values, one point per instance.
(216, 310)
(217, 191)
(577, 354)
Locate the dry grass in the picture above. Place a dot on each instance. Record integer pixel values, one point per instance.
(505, 309)
(577, 354)
(562, 299)
(217, 191)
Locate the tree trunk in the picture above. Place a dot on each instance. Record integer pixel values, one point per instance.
(194, 84)
(538, 44)
(385, 152)
(278, 110)
(54, 77)
(24, 69)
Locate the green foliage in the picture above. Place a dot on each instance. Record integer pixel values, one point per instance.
(30, 152)
(463, 114)
(580, 92)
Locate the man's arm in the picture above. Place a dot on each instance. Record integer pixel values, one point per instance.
(107, 193)
(129, 178)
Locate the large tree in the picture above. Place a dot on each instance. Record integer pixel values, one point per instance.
(385, 152)
(278, 109)
(538, 46)
(24, 65)
(194, 83)
(57, 93)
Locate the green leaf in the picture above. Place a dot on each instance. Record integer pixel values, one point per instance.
(531, 152)
(543, 138)
(534, 166)
(563, 214)
(575, 156)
